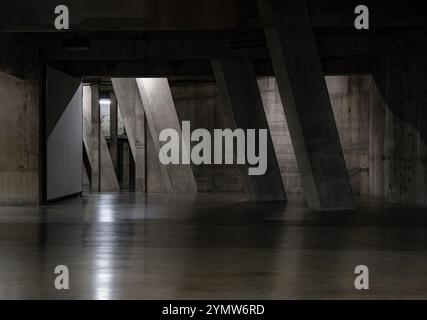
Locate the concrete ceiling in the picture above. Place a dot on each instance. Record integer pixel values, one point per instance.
(174, 38)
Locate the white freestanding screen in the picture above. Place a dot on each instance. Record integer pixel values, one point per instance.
(64, 130)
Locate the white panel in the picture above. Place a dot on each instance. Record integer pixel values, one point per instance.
(64, 161)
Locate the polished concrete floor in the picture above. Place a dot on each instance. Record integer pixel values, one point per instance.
(128, 246)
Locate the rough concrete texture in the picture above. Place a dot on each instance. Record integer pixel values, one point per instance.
(299, 75)
(280, 135)
(132, 113)
(161, 114)
(19, 141)
(113, 130)
(241, 99)
(106, 121)
(108, 174)
(198, 102)
(127, 155)
(384, 142)
(398, 131)
(87, 131)
(350, 99)
(155, 181)
(108, 178)
(95, 135)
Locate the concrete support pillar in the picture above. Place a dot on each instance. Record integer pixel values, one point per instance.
(132, 112)
(161, 114)
(87, 133)
(109, 181)
(96, 146)
(140, 145)
(306, 104)
(113, 129)
(95, 150)
(240, 96)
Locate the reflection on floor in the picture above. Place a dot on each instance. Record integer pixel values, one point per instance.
(210, 246)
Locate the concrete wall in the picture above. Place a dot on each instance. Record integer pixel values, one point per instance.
(105, 121)
(398, 125)
(382, 125)
(199, 103)
(350, 97)
(19, 141)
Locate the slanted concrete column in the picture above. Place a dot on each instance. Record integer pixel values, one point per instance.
(240, 96)
(161, 114)
(299, 75)
(130, 105)
(97, 149)
(113, 129)
(108, 174)
(87, 130)
(140, 145)
(95, 137)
